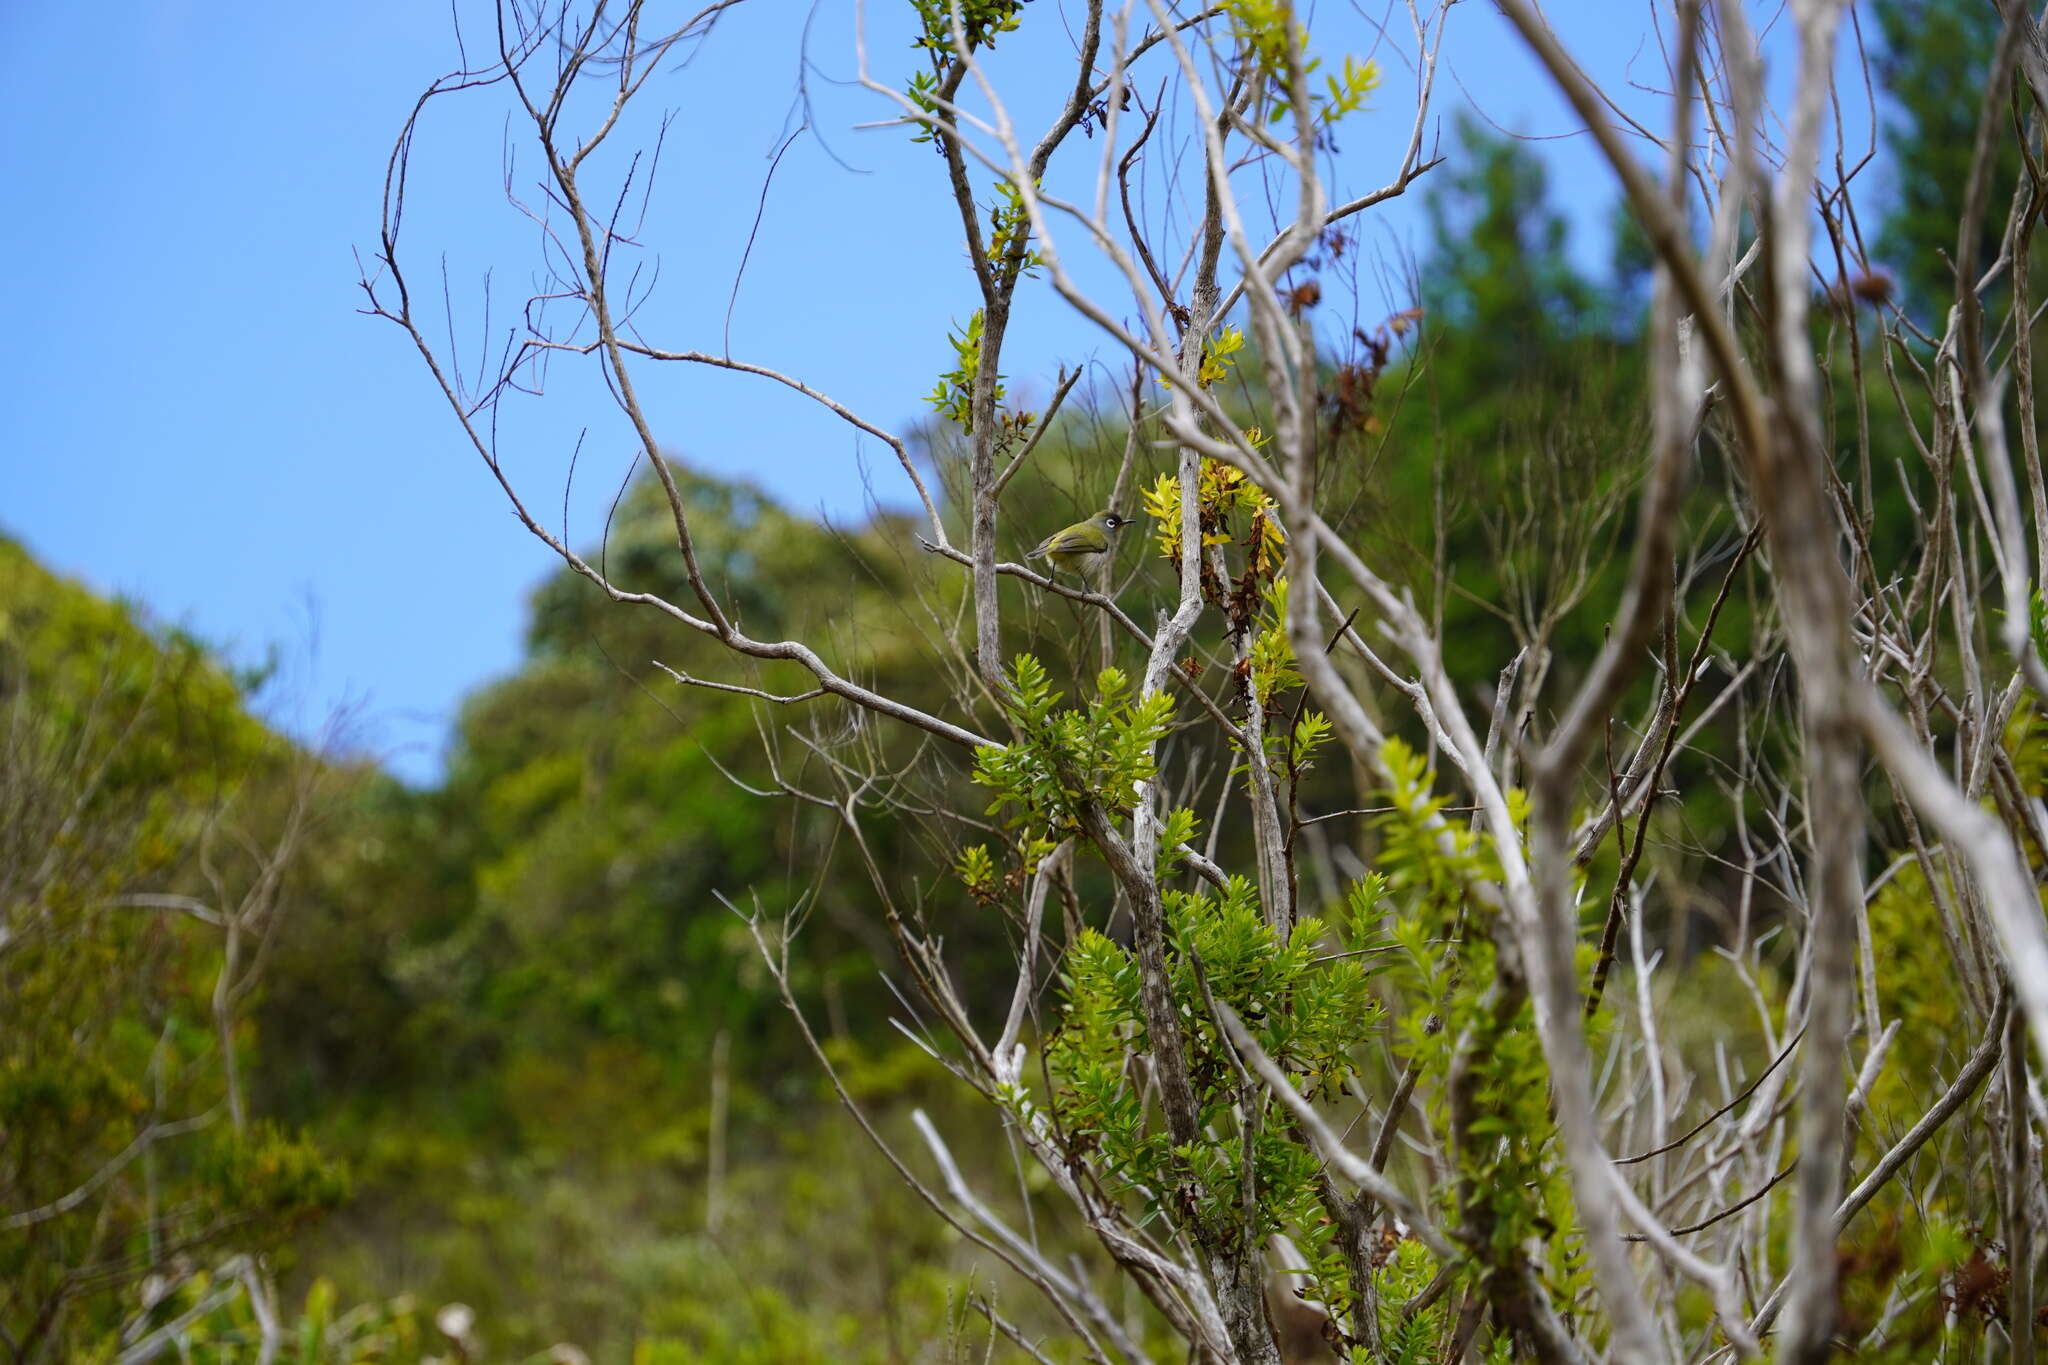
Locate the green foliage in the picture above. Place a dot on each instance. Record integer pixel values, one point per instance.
(1065, 760)
(1219, 356)
(979, 24)
(1009, 233)
(1906, 935)
(501, 998)
(498, 997)
(1499, 268)
(1276, 44)
(772, 1329)
(1272, 655)
(924, 86)
(1499, 466)
(231, 1333)
(1306, 1010)
(1407, 1272)
(978, 873)
(1220, 353)
(1933, 63)
(1225, 494)
(1344, 92)
(1311, 732)
(1174, 833)
(268, 1172)
(1268, 28)
(1469, 1026)
(130, 772)
(1921, 1286)
(953, 398)
(747, 1324)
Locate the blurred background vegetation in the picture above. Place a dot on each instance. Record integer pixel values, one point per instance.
(499, 1043)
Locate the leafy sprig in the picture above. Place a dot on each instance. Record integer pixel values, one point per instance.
(1065, 758)
(954, 395)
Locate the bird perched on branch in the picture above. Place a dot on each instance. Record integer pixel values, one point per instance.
(1083, 547)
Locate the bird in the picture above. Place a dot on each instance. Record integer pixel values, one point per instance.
(1083, 547)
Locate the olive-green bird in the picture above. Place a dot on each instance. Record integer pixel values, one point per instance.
(1083, 547)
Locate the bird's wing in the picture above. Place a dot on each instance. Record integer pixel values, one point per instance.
(1073, 540)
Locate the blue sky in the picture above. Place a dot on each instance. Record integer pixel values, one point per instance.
(199, 418)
